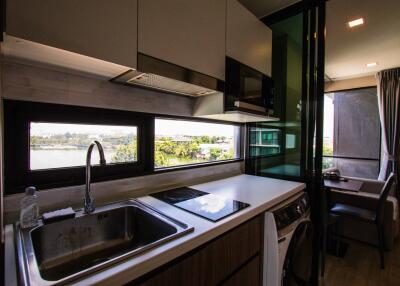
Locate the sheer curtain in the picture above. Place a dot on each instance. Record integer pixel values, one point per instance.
(389, 112)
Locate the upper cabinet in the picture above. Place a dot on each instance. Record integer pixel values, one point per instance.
(248, 40)
(188, 33)
(102, 29)
(192, 34)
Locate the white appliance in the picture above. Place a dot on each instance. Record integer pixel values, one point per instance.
(288, 243)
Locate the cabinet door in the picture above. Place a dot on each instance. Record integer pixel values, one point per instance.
(101, 29)
(216, 261)
(249, 274)
(248, 40)
(188, 33)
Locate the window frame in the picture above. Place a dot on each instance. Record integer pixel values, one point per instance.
(380, 133)
(202, 164)
(19, 114)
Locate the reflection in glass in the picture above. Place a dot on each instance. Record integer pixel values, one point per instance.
(275, 147)
(212, 207)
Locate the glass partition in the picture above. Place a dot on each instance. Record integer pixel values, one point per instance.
(275, 147)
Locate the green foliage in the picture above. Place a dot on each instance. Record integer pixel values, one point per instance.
(161, 159)
(181, 150)
(193, 149)
(327, 163)
(227, 156)
(165, 145)
(125, 153)
(215, 153)
(327, 150)
(171, 153)
(79, 141)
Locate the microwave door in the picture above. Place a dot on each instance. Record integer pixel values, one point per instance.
(252, 92)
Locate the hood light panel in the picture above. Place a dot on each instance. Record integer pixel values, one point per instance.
(372, 64)
(356, 22)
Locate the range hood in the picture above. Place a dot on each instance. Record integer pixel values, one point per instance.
(212, 107)
(156, 74)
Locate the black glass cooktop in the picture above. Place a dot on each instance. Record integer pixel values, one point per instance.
(209, 206)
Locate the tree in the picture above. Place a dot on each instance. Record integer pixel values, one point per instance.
(125, 153)
(181, 150)
(160, 159)
(228, 155)
(215, 153)
(166, 145)
(193, 149)
(327, 150)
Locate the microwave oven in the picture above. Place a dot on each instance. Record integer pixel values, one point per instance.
(247, 89)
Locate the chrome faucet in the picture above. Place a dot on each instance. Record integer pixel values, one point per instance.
(88, 201)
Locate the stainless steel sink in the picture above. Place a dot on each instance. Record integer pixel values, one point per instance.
(59, 252)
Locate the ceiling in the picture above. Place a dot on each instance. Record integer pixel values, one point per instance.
(262, 8)
(349, 50)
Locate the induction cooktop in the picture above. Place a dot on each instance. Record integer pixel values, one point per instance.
(209, 206)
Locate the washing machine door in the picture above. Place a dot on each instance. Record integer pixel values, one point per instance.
(298, 259)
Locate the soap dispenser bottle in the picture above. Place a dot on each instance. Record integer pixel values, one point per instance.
(29, 213)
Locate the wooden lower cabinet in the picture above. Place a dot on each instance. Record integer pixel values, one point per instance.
(233, 258)
(249, 274)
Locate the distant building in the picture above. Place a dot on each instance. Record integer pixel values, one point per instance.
(205, 148)
(181, 139)
(264, 141)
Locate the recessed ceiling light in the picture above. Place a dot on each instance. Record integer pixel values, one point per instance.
(372, 64)
(356, 22)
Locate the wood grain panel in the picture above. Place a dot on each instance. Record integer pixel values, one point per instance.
(214, 262)
(33, 83)
(247, 275)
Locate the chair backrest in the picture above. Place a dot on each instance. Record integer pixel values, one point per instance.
(383, 197)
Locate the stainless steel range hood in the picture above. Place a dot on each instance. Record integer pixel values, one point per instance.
(160, 75)
(156, 74)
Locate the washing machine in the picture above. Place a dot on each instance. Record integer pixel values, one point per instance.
(288, 234)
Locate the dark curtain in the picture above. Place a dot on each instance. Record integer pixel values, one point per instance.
(389, 112)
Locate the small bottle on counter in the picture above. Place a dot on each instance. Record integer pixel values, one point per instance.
(29, 213)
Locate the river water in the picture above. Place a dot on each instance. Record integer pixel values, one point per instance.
(47, 159)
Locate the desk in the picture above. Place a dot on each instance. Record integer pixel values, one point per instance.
(349, 185)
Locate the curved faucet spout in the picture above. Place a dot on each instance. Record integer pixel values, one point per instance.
(88, 200)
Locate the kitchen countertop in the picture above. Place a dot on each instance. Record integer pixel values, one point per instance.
(260, 192)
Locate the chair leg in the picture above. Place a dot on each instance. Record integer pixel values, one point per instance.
(323, 251)
(337, 240)
(381, 243)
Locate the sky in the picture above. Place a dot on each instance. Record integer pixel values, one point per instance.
(181, 127)
(163, 127)
(40, 128)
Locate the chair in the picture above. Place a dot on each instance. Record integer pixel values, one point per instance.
(369, 216)
(328, 221)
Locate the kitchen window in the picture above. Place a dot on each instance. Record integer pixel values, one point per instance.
(60, 145)
(45, 144)
(187, 142)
